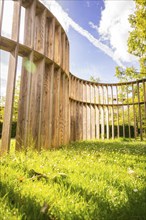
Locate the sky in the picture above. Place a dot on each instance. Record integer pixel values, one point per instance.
(97, 32)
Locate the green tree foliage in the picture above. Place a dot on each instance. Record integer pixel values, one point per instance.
(94, 79)
(137, 37)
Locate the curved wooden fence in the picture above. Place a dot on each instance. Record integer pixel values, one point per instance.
(56, 107)
(101, 110)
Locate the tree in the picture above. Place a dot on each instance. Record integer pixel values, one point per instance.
(93, 79)
(137, 37)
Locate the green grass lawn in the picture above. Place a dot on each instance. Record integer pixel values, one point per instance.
(85, 180)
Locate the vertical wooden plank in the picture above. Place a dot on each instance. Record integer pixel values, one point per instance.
(112, 112)
(61, 125)
(74, 125)
(77, 121)
(144, 90)
(30, 24)
(88, 122)
(40, 25)
(67, 56)
(139, 110)
(63, 51)
(118, 131)
(66, 109)
(107, 114)
(102, 122)
(123, 116)
(57, 50)
(71, 120)
(97, 123)
(84, 92)
(46, 130)
(128, 112)
(36, 103)
(50, 37)
(84, 122)
(92, 109)
(23, 133)
(68, 112)
(134, 116)
(1, 14)
(55, 111)
(16, 20)
(6, 132)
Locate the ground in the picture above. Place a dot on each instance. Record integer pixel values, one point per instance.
(99, 180)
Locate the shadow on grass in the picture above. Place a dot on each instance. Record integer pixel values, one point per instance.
(133, 209)
(122, 147)
(27, 207)
(99, 208)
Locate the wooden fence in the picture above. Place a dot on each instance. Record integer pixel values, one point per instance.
(100, 110)
(56, 107)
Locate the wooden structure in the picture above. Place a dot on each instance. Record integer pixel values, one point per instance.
(56, 107)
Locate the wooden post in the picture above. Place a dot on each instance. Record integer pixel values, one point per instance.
(97, 123)
(1, 14)
(123, 116)
(134, 116)
(50, 36)
(118, 131)
(107, 114)
(139, 110)
(128, 114)
(6, 132)
(113, 133)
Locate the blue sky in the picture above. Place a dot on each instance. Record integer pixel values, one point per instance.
(97, 33)
(106, 22)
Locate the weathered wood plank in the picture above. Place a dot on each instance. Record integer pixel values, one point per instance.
(1, 14)
(139, 111)
(6, 132)
(50, 37)
(84, 122)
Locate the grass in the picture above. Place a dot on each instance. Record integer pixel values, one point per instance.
(85, 180)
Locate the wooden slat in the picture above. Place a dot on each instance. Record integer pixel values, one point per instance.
(112, 114)
(88, 122)
(57, 50)
(139, 110)
(23, 132)
(128, 113)
(84, 122)
(74, 121)
(6, 132)
(1, 14)
(102, 122)
(97, 122)
(55, 111)
(50, 37)
(144, 90)
(30, 24)
(68, 112)
(92, 109)
(16, 20)
(40, 26)
(36, 103)
(134, 115)
(107, 115)
(61, 125)
(64, 51)
(118, 129)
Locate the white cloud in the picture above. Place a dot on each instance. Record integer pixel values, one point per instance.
(92, 25)
(114, 27)
(67, 22)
